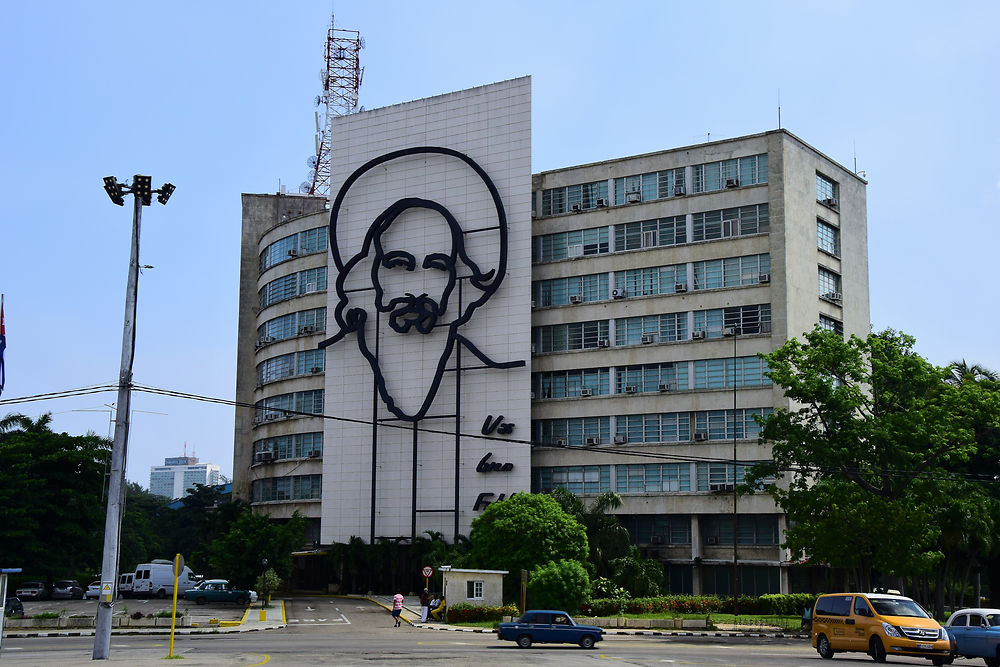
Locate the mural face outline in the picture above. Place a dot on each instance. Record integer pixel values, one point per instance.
(409, 313)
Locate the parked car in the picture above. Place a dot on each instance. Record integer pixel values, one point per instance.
(219, 590)
(157, 578)
(548, 626)
(93, 590)
(69, 589)
(32, 590)
(13, 607)
(878, 624)
(975, 633)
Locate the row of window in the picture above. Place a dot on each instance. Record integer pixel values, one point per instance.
(652, 280)
(292, 285)
(666, 327)
(700, 426)
(287, 405)
(293, 446)
(294, 324)
(633, 478)
(302, 243)
(293, 487)
(305, 362)
(715, 529)
(707, 177)
(667, 376)
(658, 232)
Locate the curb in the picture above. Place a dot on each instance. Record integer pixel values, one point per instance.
(648, 633)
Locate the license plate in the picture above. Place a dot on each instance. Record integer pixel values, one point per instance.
(925, 647)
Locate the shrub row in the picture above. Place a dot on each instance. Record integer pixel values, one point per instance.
(466, 613)
(780, 605)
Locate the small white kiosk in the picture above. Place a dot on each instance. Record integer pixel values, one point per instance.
(482, 588)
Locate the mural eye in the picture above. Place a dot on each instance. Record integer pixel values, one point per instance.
(398, 259)
(438, 261)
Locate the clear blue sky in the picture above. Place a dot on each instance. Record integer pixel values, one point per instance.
(217, 98)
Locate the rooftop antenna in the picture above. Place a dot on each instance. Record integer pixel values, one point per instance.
(779, 108)
(341, 80)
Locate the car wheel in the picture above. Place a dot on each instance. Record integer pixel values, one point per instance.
(876, 650)
(823, 647)
(243, 600)
(587, 641)
(524, 641)
(992, 662)
(161, 594)
(200, 600)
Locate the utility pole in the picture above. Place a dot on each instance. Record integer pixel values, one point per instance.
(141, 191)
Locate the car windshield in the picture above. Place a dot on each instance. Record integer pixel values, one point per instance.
(993, 620)
(892, 607)
(65, 583)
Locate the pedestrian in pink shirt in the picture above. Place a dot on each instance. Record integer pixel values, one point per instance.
(397, 607)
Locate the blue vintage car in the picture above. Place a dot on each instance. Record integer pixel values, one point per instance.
(975, 633)
(549, 626)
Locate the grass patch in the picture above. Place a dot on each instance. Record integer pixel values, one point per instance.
(46, 614)
(472, 624)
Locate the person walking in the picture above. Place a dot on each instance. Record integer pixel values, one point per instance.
(424, 606)
(397, 607)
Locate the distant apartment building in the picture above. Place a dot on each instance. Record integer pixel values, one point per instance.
(180, 473)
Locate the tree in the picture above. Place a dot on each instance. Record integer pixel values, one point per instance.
(51, 495)
(253, 544)
(872, 426)
(607, 538)
(961, 372)
(523, 532)
(143, 528)
(643, 577)
(560, 584)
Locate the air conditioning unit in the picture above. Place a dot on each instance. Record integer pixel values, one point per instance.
(576, 208)
(256, 421)
(621, 439)
(272, 416)
(314, 454)
(764, 278)
(679, 191)
(712, 540)
(261, 457)
(560, 443)
(293, 253)
(617, 293)
(656, 539)
(720, 487)
(307, 329)
(631, 389)
(533, 304)
(730, 228)
(315, 369)
(646, 339)
(833, 296)
(729, 331)
(664, 386)
(732, 182)
(575, 250)
(586, 392)
(832, 202)
(532, 395)
(575, 298)
(650, 239)
(534, 214)
(680, 287)
(532, 348)
(700, 436)
(633, 197)
(601, 203)
(593, 441)
(698, 335)
(603, 342)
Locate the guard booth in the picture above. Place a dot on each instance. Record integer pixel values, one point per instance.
(482, 588)
(4, 571)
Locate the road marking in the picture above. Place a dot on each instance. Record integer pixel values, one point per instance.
(266, 659)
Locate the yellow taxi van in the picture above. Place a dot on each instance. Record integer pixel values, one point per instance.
(879, 624)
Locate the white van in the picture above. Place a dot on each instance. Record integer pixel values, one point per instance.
(157, 578)
(125, 584)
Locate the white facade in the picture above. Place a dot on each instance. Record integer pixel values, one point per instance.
(177, 475)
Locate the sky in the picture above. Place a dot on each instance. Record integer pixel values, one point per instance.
(216, 97)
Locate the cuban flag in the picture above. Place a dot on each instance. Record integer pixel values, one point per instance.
(3, 345)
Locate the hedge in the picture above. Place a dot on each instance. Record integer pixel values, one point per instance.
(777, 605)
(467, 613)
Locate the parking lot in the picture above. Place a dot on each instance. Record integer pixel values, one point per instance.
(148, 606)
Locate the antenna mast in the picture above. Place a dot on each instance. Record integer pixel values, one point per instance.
(341, 80)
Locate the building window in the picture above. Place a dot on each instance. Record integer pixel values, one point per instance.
(288, 365)
(647, 187)
(295, 487)
(658, 528)
(474, 590)
(755, 319)
(293, 324)
(563, 245)
(729, 173)
(289, 405)
(719, 425)
(730, 222)
(653, 428)
(829, 284)
(827, 190)
(573, 197)
(828, 238)
(294, 446)
(760, 529)
(651, 280)
(671, 376)
(309, 241)
(573, 336)
(589, 480)
(561, 291)
(831, 324)
(572, 432)
(667, 327)
(570, 384)
(651, 233)
(731, 272)
(724, 373)
(653, 477)
(286, 287)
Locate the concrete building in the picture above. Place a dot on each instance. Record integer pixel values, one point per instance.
(650, 285)
(180, 473)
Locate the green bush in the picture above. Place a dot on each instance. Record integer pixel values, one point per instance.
(765, 605)
(560, 584)
(467, 613)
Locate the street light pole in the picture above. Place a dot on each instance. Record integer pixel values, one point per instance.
(141, 194)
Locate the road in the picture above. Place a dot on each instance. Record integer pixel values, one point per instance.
(323, 631)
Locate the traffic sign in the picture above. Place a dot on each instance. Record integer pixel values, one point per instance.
(178, 565)
(427, 571)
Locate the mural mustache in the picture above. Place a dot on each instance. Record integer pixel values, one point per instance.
(414, 312)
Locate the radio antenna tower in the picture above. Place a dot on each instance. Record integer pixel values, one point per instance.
(341, 80)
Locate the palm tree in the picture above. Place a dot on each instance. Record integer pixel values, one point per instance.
(15, 422)
(961, 372)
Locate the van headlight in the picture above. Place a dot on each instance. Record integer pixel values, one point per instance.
(891, 631)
